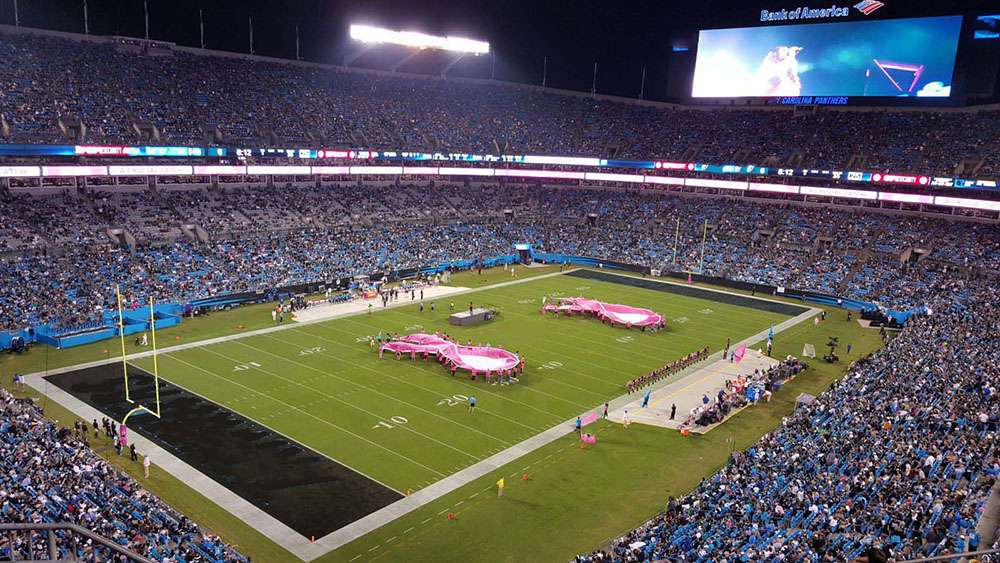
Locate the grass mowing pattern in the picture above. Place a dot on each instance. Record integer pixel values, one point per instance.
(405, 423)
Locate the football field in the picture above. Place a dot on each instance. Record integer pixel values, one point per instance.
(405, 424)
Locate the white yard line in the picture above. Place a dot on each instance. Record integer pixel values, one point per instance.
(310, 415)
(367, 387)
(464, 382)
(377, 416)
(528, 388)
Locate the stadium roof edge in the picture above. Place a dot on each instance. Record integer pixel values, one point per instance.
(6, 29)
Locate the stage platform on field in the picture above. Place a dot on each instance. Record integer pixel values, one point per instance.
(468, 318)
(686, 393)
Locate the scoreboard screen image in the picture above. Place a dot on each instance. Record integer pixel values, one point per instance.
(912, 57)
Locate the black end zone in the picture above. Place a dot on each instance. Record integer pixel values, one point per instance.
(690, 291)
(310, 493)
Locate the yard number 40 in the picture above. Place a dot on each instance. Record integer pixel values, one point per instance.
(391, 423)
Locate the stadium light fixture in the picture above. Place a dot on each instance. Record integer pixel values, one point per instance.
(368, 34)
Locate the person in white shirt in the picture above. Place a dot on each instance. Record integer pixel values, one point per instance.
(778, 74)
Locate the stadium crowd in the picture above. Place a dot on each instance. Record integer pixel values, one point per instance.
(51, 475)
(900, 455)
(749, 242)
(50, 83)
(744, 390)
(67, 280)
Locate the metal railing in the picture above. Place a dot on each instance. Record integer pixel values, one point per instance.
(10, 551)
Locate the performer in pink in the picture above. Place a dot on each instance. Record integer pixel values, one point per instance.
(474, 359)
(612, 313)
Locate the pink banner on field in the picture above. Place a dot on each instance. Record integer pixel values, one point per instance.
(739, 352)
(588, 418)
(480, 359)
(612, 312)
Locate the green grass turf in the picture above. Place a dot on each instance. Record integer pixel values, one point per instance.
(406, 423)
(570, 504)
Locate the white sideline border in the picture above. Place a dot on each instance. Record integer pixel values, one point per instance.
(280, 533)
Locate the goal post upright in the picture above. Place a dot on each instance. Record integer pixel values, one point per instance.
(156, 367)
(121, 333)
(156, 370)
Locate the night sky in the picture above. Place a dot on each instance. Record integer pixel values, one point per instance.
(622, 36)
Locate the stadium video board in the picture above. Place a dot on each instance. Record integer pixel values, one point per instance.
(912, 57)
